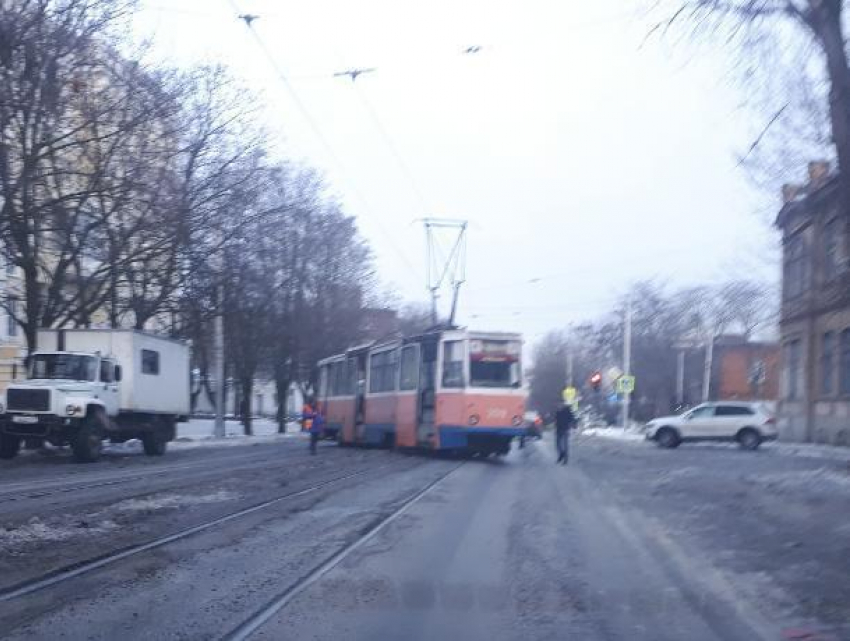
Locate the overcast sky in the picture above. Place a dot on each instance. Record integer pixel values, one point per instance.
(583, 157)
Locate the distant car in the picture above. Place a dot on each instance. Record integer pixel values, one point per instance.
(748, 424)
(533, 424)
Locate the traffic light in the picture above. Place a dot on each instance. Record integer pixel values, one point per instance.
(596, 381)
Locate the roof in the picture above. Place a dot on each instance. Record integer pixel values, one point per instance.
(806, 197)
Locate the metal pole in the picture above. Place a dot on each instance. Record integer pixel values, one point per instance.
(680, 378)
(570, 369)
(706, 374)
(627, 358)
(218, 353)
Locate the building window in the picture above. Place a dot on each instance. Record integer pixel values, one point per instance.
(792, 370)
(827, 363)
(845, 361)
(11, 323)
(831, 248)
(150, 362)
(795, 267)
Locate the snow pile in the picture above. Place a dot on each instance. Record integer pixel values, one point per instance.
(203, 428)
(616, 433)
(36, 530)
(172, 500)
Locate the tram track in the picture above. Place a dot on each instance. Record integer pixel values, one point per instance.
(253, 623)
(43, 488)
(87, 566)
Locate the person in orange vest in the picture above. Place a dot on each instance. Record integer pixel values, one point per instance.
(317, 426)
(306, 417)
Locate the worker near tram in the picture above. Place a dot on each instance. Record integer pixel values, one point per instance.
(317, 426)
(306, 416)
(565, 421)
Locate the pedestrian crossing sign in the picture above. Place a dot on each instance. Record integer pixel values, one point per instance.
(626, 384)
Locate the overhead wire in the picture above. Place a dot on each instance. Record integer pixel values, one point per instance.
(317, 132)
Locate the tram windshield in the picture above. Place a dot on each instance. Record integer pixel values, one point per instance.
(494, 363)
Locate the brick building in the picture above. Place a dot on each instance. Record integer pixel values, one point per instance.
(815, 318)
(745, 370)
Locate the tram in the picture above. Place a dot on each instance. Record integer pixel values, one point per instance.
(447, 389)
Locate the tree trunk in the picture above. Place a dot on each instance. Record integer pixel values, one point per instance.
(282, 385)
(247, 388)
(824, 19)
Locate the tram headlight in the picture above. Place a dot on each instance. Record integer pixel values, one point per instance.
(516, 421)
(474, 419)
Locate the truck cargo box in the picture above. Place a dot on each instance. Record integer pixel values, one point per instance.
(155, 369)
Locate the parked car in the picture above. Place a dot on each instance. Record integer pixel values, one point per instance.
(748, 424)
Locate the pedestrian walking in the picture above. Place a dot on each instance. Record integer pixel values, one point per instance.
(316, 427)
(565, 421)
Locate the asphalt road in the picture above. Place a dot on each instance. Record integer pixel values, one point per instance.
(266, 542)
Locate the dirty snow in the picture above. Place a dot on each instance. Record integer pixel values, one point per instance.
(36, 530)
(165, 501)
(820, 479)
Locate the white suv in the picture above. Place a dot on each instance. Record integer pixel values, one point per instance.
(748, 424)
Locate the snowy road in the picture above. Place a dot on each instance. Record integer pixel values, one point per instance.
(265, 542)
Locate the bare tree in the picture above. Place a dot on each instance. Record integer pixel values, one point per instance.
(779, 23)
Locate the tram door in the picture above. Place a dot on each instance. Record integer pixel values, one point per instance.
(359, 364)
(426, 405)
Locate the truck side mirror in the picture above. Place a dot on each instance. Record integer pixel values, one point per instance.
(117, 376)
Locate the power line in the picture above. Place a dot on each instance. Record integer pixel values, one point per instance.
(392, 147)
(316, 130)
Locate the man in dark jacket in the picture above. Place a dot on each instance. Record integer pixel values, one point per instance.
(565, 420)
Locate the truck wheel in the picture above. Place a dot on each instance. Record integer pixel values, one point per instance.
(88, 441)
(154, 443)
(9, 446)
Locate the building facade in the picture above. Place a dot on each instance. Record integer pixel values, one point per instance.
(815, 315)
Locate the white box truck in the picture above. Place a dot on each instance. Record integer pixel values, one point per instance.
(87, 385)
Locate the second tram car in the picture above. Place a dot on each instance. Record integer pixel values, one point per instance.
(449, 389)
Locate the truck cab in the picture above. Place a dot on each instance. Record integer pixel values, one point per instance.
(80, 398)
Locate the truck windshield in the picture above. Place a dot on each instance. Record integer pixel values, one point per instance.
(64, 366)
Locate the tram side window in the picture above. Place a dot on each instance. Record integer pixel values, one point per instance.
(382, 371)
(453, 364)
(338, 383)
(324, 391)
(409, 368)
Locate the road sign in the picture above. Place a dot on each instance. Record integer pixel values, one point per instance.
(569, 395)
(626, 384)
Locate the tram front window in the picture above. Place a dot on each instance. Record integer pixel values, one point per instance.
(494, 374)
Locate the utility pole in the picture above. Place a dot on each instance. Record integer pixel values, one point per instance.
(570, 368)
(627, 358)
(218, 354)
(680, 377)
(706, 374)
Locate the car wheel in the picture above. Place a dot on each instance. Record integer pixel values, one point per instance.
(667, 438)
(749, 439)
